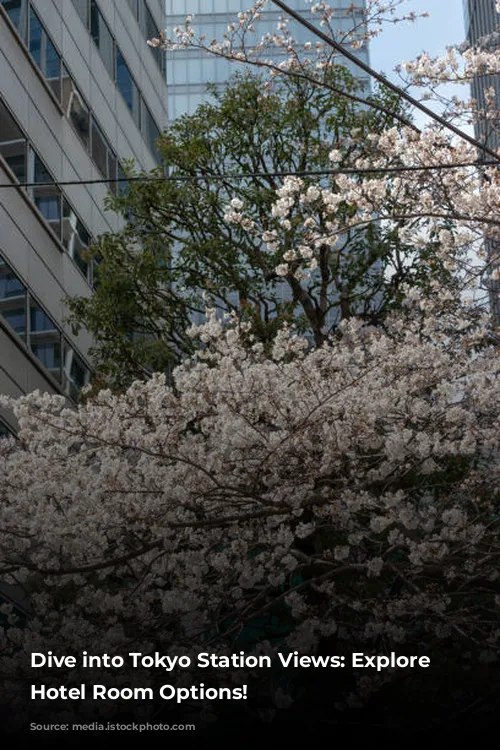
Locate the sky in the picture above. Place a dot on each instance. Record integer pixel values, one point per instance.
(404, 41)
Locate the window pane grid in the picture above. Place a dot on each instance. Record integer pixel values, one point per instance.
(119, 70)
(50, 64)
(39, 332)
(55, 209)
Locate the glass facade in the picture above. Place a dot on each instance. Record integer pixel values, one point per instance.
(117, 67)
(149, 29)
(51, 64)
(102, 37)
(482, 28)
(38, 331)
(56, 210)
(189, 71)
(128, 89)
(59, 79)
(41, 106)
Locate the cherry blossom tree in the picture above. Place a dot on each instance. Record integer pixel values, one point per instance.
(234, 151)
(349, 493)
(432, 180)
(401, 205)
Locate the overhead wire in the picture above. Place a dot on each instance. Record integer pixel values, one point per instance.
(246, 175)
(382, 79)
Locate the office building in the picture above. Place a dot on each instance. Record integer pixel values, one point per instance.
(189, 70)
(80, 91)
(482, 27)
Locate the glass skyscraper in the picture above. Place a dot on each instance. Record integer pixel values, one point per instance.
(482, 26)
(189, 71)
(482, 29)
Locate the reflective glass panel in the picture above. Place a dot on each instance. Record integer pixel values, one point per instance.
(45, 340)
(39, 320)
(75, 108)
(53, 68)
(127, 86)
(76, 239)
(45, 54)
(75, 373)
(150, 131)
(47, 198)
(12, 299)
(35, 44)
(102, 37)
(12, 143)
(99, 149)
(150, 32)
(17, 10)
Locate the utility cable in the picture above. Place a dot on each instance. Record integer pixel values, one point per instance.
(382, 79)
(243, 176)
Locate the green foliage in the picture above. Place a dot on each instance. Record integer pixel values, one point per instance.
(176, 253)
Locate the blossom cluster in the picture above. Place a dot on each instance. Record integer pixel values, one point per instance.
(350, 489)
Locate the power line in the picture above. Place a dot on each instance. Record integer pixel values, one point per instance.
(379, 77)
(221, 177)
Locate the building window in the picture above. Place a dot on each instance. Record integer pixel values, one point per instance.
(52, 71)
(82, 8)
(99, 149)
(102, 37)
(150, 131)
(119, 70)
(76, 239)
(47, 198)
(112, 169)
(45, 54)
(35, 43)
(49, 355)
(127, 87)
(45, 340)
(17, 10)
(103, 155)
(123, 186)
(49, 61)
(75, 109)
(40, 322)
(12, 144)
(75, 374)
(36, 328)
(150, 31)
(12, 299)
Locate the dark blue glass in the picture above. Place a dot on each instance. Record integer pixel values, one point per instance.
(49, 354)
(52, 61)
(16, 319)
(10, 286)
(36, 38)
(40, 321)
(16, 10)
